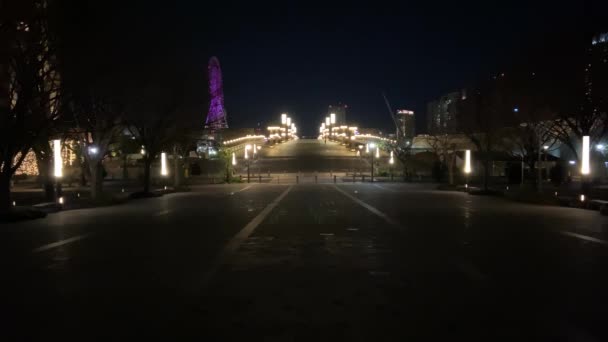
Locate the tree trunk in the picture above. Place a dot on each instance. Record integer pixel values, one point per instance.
(486, 174)
(5, 194)
(450, 162)
(147, 166)
(125, 168)
(176, 170)
(45, 172)
(96, 171)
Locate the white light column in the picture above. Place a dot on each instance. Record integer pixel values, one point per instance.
(57, 160)
(467, 162)
(585, 167)
(163, 164)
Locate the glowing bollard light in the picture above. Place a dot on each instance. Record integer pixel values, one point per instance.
(163, 164)
(61, 200)
(585, 169)
(467, 167)
(377, 152)
(233, 159)
(14, 204)
(57, 160)
(582, 198)
(391, 161)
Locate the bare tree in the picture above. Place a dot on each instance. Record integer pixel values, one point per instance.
(481, 117)
(98, 123)
(152, 123)
(29, 86)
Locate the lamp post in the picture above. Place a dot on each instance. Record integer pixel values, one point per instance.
(247, 148)
(283, 124)
(372, 145)
(391, 161)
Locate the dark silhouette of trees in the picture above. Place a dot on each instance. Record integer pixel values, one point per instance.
(29, 85)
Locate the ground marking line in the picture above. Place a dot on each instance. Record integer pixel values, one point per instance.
(239, 238)
(585, 237)
(243, 189)
(464, 266)
(370, 208)
(383, 188)
(163, 212)
(61, 243)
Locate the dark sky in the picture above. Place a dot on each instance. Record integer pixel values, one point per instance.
(299, 57)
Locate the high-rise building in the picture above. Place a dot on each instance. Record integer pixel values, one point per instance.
(596, 73)
(441, 113)
(407, 124)
(340, 111)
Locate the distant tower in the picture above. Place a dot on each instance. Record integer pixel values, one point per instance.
(216, 118)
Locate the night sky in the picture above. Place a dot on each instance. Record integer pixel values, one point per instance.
(300, 57)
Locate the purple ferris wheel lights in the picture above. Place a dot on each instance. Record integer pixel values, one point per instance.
(217, 117)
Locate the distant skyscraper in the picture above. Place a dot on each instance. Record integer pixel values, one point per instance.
(596, 73)
(340, 111)
(441, 113)
(407, 124)
(217, 117)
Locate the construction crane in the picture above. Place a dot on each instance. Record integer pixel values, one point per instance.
(400, 133)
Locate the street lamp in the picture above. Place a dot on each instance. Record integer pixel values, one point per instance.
(391, 161)
(247, 148)
(372, 145)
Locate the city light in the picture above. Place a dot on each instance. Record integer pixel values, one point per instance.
(247, 148)
(391, 161)
(163, 164)
(327, 123)
(546, 147)
(582, 198)
(358, 154)
(585, 169)
(366, 148)
(93, 150)
(233, 159)
(467, 161)
(288, 122)
(377, 152)
(599, 147)
(61, 200)
(283, 119)
(255, 149)
(57, 160)
(332, 118)
(571, 162)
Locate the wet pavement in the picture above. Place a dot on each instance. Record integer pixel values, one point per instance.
(356, 262)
